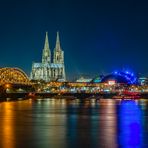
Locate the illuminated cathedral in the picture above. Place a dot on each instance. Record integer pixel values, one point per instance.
(52, 67)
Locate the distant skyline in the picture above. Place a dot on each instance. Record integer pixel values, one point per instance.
(96, 36)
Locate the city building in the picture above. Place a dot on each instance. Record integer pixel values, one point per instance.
(82, 79)
(51, 68)
(143, 80)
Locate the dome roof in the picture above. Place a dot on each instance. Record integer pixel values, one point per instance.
(116, 78)
(120, 77)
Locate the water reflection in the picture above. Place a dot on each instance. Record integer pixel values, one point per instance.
(130, 125)
(108, 123)
(6, 126)
(49, 123)
(60, 123)
(78, 124)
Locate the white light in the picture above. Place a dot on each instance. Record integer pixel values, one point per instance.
(111, 82)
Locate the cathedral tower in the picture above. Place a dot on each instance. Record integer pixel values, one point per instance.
(46, 55)
(58, 58)
(58, 53)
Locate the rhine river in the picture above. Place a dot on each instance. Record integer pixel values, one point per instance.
(54, 123)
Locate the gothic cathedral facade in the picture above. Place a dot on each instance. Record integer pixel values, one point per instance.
(51, 69)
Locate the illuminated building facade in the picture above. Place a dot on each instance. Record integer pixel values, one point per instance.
(82, 79)
(51, 69)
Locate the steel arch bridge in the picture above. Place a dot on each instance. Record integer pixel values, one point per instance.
(13, 76)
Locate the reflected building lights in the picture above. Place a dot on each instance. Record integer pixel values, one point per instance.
(130, 125)
(58, 123)
(108, 123)
(52, 120)
(7, 127)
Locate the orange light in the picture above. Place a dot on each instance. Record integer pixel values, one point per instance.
(7, 85)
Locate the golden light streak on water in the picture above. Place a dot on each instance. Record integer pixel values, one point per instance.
(7, 129)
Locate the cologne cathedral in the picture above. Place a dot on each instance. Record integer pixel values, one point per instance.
(52, 67)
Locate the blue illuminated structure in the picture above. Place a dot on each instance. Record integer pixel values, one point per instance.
(129, 76)
(126, 77)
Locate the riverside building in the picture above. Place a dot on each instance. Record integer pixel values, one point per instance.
(52, 67)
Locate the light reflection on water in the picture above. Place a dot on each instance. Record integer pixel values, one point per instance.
(55, 123)
(130, 125)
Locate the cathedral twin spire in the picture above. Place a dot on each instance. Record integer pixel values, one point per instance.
(46, 56)
(46, 46)
(58, 47)
(51, 69)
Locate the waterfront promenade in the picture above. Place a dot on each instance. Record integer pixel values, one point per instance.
(81, 96)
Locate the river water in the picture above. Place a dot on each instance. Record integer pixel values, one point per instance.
(61, 123)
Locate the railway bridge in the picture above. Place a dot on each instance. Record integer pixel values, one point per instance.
(14, 81)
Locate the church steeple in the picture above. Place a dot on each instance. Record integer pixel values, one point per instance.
(58, 46)
(46, 56)
(46, 45)
(58, 57)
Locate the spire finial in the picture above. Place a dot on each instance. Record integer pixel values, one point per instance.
(46, 45)
(58, 47)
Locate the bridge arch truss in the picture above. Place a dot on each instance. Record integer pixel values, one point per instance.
(13, 76)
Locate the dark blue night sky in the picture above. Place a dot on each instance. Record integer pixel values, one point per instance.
(96, 36)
